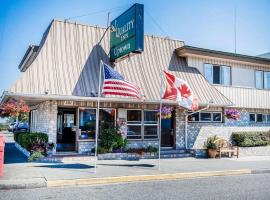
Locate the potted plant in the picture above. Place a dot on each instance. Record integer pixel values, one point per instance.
(232, 114)
(166, 112)
(211, 146)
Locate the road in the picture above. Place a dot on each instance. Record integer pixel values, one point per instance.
(230, 187)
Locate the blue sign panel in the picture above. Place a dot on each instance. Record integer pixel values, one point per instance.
(127, 32)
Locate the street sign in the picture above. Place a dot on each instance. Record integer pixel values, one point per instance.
(127, 32)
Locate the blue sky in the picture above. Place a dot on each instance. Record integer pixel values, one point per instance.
(201, 23)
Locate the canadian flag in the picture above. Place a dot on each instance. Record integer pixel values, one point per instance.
(179, 90)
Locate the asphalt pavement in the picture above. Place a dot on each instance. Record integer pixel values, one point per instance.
(230, 187)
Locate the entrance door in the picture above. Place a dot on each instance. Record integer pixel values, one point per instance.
(66, 133)
(167, 132)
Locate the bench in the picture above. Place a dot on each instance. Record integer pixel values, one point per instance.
(224, 146)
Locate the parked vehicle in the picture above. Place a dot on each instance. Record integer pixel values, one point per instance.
(11, 127)
(22, 126)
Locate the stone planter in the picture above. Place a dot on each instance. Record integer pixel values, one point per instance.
(212, 153)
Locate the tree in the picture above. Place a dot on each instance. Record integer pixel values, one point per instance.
(14, 109)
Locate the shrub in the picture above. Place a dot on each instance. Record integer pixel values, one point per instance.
(110, 139)
(35, 155)
(152, 149)
(29, 140)
(16, 135)
(210, 143)
(251, 138)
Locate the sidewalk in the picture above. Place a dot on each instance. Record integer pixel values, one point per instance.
(18, 173)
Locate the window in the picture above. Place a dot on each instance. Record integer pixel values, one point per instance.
(263, 118)
(107, 117)
(267, 80)
(217, 74)
(87, 123)
(262, 79)
(194, 117)
(150, 125)
(252, 117)
(268, 118)
(217, 117)
(142, 125)
(225, 75)
(206, 117)
(259, 117)
(208, 72)
(259, 79)
(68, 120)
(134, 124)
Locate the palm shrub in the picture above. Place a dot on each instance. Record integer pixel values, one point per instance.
(210, 143)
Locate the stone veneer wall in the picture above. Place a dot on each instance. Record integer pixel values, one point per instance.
(199, 132)
(86, 147)
(180, 130)
(47, 119)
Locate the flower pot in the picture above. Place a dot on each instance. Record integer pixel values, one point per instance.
(212, 153)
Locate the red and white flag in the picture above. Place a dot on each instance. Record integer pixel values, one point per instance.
(179, 90)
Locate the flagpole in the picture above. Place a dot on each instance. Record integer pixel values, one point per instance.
(97, 115)
(160, 107)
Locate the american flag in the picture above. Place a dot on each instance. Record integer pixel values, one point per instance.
(115, 85)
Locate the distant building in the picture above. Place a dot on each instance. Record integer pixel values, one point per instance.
(59, 81)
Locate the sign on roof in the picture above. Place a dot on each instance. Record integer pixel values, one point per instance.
(127, 33)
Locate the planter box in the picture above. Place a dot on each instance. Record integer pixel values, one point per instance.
(23, 150)
(254, 151)
(126, 156)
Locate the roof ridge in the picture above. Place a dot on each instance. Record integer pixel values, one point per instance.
(97, 26)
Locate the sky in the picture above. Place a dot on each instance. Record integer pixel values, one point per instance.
(201, 23)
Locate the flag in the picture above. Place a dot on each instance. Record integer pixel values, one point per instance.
(179, 90)
(115, 85)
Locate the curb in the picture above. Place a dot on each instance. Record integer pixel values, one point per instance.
(23, 184)
(125, 179)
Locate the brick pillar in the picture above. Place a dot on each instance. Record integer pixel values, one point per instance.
(180, 129)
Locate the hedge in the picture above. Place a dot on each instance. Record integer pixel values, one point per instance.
(251, 138)
(27, 140)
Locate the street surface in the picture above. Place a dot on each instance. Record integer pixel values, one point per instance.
(231, 187)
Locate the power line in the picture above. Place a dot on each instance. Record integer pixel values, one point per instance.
(97, 12)
(156, 23)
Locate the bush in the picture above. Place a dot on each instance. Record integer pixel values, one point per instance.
(110, 139)
(152, 149)
(16, 135)
(35, 155)
(29, 140)
(251, 138)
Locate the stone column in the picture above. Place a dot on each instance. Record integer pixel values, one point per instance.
(180, 129)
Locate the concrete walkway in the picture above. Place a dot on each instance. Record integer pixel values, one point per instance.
(18, 173)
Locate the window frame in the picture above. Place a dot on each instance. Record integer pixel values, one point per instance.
(157, 125)
(139, 124)
(262, 81)
(212, 119)
(78, 122)
(265, 116)
(142, 124)
(220, 66)
(264, 85)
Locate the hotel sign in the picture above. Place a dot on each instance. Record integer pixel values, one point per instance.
(127, 33)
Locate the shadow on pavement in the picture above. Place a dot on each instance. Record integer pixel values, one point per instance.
(129, 165)
(13, 155)
(68, 166)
